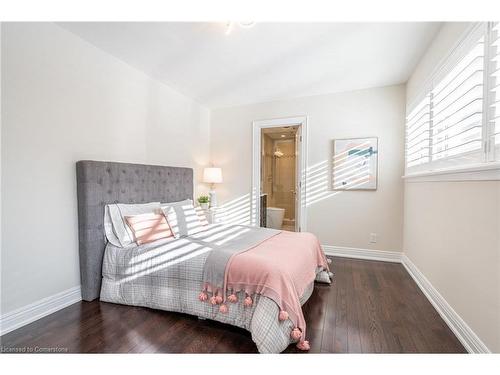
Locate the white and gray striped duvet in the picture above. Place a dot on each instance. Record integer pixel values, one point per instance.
(168, 274)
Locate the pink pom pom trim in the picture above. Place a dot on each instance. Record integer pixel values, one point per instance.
(329, 260)
(213, 300)
(223, 309)
(232, 298)
(248, 301)
(202, 296)
(304, 345)
(296, 334)
(283, 315)
(218, 299)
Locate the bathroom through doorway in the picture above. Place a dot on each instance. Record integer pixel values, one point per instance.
(278, 185)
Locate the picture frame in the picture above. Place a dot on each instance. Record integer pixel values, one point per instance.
(355, 164)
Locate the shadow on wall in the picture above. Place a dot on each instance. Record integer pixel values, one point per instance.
(318, 183)
(351, 166)
(237, 211)
(318, 178)
(242, 210)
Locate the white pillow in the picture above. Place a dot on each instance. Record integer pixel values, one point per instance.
(117, 213)
(108, 228)
(183, 217)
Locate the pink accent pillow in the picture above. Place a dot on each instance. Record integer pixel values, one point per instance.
(149, 227)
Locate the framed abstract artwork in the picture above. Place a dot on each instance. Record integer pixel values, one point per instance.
(355, 164)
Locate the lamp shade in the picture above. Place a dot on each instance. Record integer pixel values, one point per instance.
(212, 175)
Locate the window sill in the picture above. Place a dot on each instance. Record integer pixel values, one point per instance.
(475, 172)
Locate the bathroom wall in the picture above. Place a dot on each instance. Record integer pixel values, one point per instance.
(284, 178)
(278, 174)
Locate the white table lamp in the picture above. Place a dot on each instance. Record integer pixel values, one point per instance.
(212, 176)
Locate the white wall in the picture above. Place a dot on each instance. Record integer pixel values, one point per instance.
(451, 234)
(452, 229)
(64, 100)
(340, 218)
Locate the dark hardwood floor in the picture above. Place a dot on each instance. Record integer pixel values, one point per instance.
(371, 307)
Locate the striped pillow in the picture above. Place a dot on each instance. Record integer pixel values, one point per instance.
(184, 218)
(149, 227)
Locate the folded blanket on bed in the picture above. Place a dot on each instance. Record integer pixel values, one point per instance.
(277, 265)
(241, 240)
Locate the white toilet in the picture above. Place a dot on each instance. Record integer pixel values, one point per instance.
(275, 217)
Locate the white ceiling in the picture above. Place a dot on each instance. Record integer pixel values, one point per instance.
(270, 61)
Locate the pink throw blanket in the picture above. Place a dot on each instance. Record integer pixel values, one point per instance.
(279, 268)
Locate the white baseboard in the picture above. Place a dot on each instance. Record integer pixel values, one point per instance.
(37, 310)
(462, 331)
(367, 254)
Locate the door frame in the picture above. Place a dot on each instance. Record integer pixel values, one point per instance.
(301, 163)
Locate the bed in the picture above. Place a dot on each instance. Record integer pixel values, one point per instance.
(169, 274)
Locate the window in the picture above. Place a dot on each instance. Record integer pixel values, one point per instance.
(456, 119)
(418, 133)
(494, 92)
(457, 106)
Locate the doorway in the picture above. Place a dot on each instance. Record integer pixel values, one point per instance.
(279, 183)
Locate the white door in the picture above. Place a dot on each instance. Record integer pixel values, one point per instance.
(298, 179)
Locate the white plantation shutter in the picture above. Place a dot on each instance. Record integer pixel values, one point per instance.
(494, 91)
(418, 133)
(457, 106)
(456, 121)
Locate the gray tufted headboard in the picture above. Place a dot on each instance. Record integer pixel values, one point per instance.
(100, 183)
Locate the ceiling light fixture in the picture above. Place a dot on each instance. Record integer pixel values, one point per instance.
(246, 24)
(243, 25)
